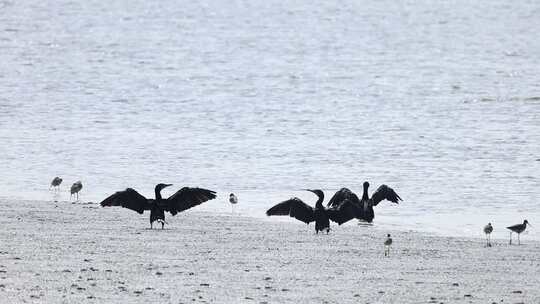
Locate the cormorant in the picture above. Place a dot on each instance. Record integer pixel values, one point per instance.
(519, 228)
(488, 229)
(183, 199)
(365, 205)
(387, 244)
(75, 188)
(296, 208)
(233, 200)
(55, 184)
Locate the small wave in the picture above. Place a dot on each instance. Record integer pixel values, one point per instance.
(121, 100)
(511, 54)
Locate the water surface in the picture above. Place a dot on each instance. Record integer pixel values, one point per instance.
(440, 101)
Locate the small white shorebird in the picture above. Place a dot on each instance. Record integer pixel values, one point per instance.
(55, 184)
(519, 228)
(233, 200)
(488, 229)
(387, 244)
(75, 188)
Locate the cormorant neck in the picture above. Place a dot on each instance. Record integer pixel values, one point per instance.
(365, 196)
(158, 193)
(319, 201)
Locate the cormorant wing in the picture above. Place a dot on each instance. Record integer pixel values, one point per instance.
(294, 207)
(342, 195)
(186, 198)
(128, 198)
(343, 212)
(385, 192)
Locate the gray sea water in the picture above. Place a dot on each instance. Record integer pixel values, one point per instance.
(439, 100)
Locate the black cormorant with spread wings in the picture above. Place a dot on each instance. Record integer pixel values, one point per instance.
(364, 205)
(183, 199)
(296, 208)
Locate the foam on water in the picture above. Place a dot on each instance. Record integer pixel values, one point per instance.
(438, 100)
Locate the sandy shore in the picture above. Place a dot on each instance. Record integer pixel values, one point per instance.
(81, 253)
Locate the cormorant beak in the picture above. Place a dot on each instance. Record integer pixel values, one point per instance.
(309, 190)
(167, 185)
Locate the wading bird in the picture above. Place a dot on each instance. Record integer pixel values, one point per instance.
(519, 228)
(233, 200)
(387, 244)
(296, 208)
(183, 199)
(55, 184)
(75, 188)
(365, 205)
(488, 229)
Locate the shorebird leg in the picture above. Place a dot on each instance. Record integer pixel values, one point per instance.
(510, 237)
(519, 242)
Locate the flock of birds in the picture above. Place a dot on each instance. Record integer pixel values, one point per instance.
(74, 190)
(341, 208)
(519, 228)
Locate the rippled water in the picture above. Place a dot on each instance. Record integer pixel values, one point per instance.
(441, 101)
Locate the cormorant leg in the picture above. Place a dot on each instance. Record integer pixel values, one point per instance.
(162, 225)
(150, 225)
